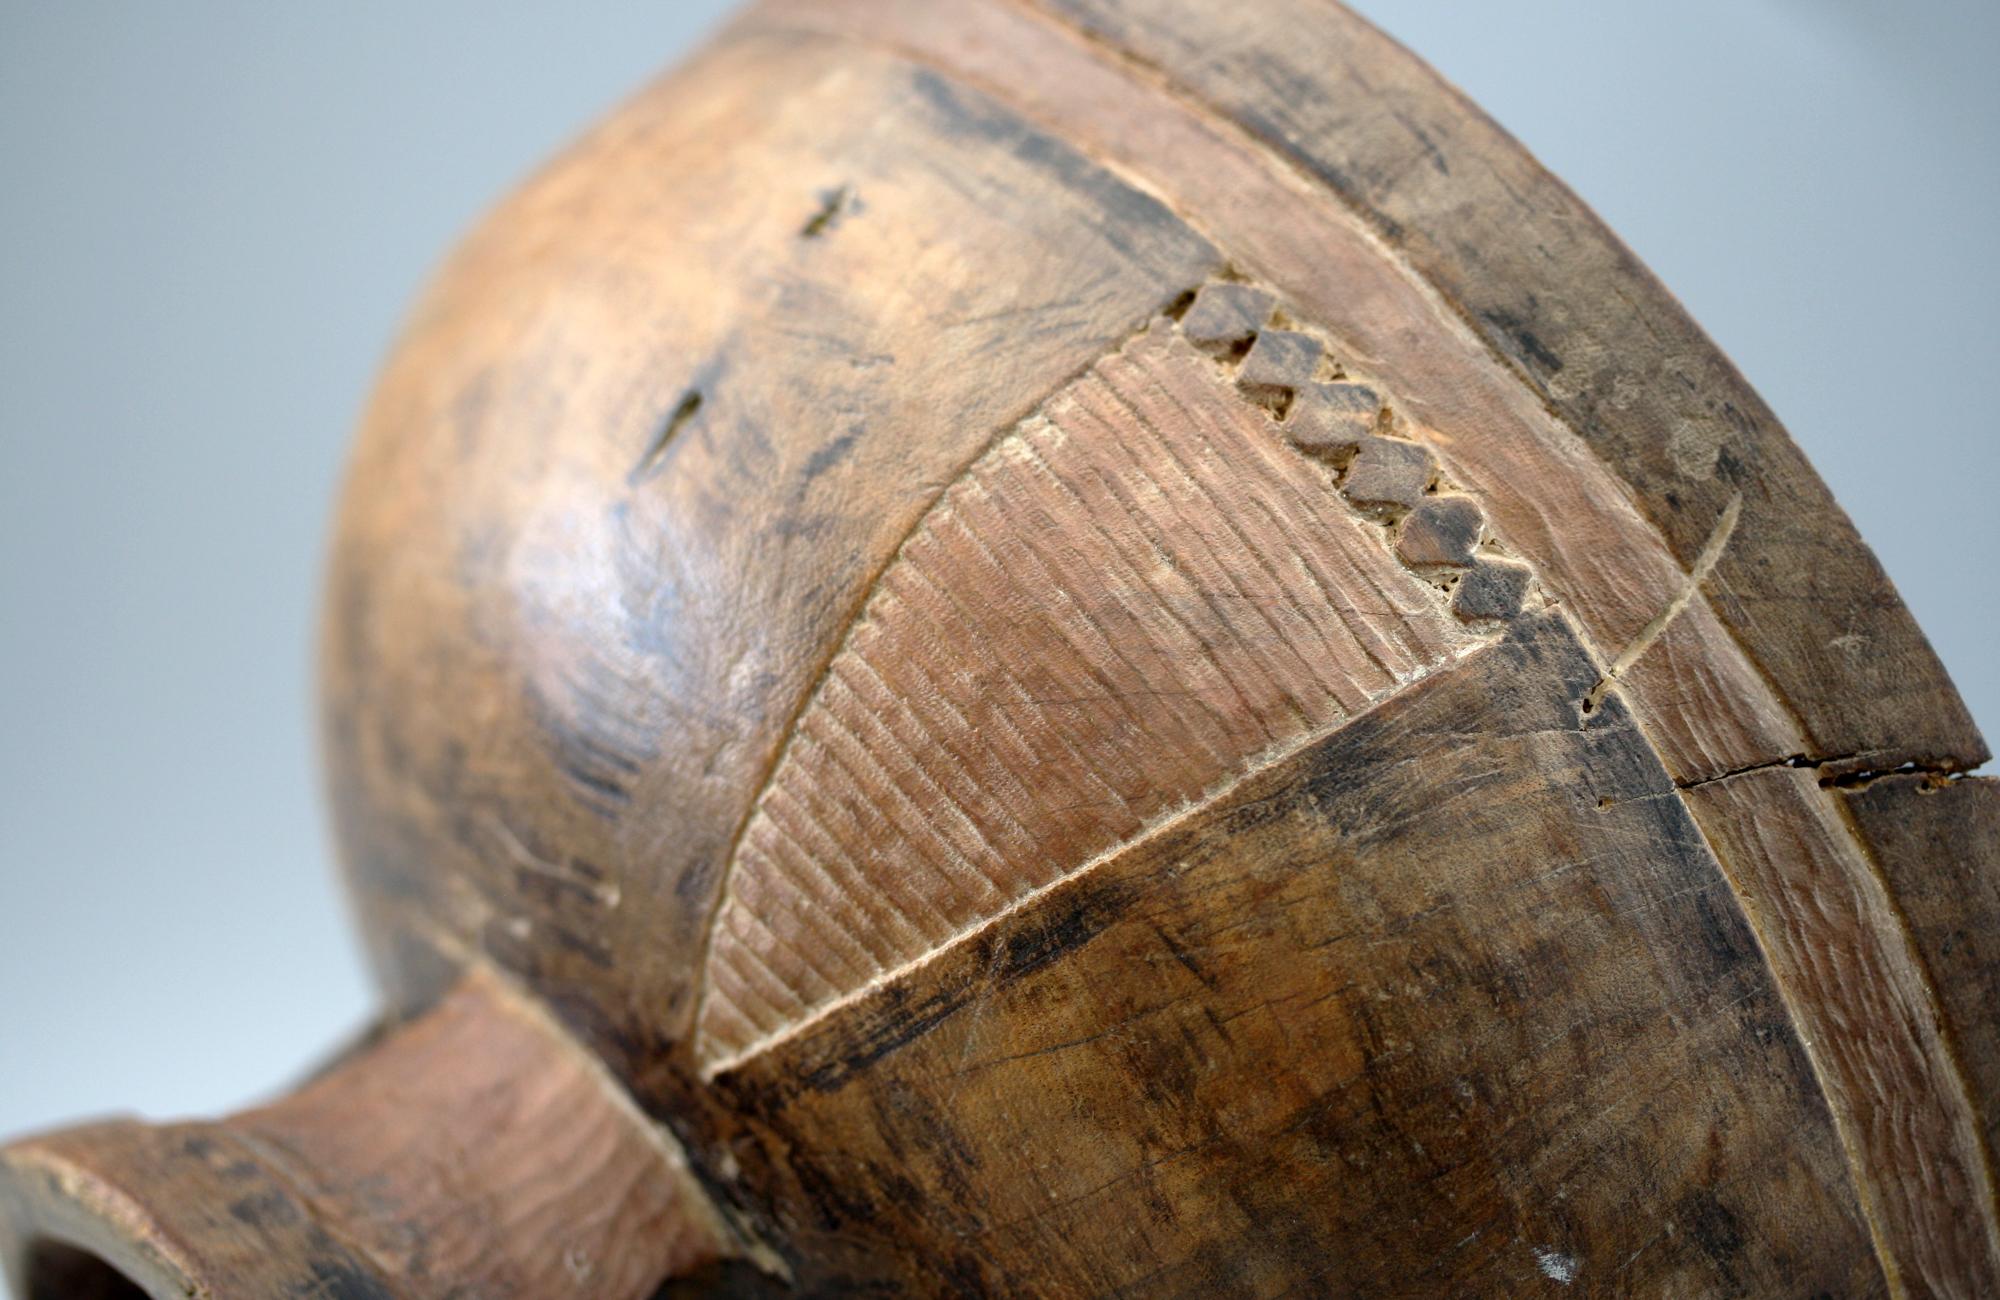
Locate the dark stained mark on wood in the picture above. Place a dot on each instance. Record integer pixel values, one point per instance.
(1306, 868)
(834, 204)
(599, 752)
(262, 1208)
(826, 457)
(1132, 221)
(656, 454)
(1521, 342)
(1037, 941)
(336, 1280)
(1000, 956)
(1713, 1228)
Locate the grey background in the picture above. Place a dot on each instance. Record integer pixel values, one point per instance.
(211, 215)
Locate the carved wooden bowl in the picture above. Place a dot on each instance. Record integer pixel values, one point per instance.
(1097, 647)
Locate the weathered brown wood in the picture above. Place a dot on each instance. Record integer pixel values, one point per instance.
(1937, 845)
(474, 1151)
(737, 553)
(1099, 647)
(1230, 1032)
(1546, 493)
(1534, 273)
(1129, 598)
(1859, 996)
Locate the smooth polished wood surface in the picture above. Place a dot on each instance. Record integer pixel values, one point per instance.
(1105, 647)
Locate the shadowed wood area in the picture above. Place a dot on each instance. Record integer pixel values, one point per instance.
(1235, 1028)
(1859, 997)
(1098, 647)
(1937, 844)
(1124, 602)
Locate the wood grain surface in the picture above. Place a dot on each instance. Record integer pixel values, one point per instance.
(1231, 1030)
(1102, 647)
(1136, 594)
(475, 1151)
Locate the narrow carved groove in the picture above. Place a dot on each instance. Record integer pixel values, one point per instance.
(716, 1065)
(1704, 565)
(1212, 544)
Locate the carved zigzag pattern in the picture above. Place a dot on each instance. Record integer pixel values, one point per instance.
(1138, 594)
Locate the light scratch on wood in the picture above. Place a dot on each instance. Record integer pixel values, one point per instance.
(1704, 564)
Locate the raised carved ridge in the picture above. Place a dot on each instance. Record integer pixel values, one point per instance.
(1381, 465)
(1216, 545)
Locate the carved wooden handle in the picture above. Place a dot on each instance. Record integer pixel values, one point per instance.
(473, 1150)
